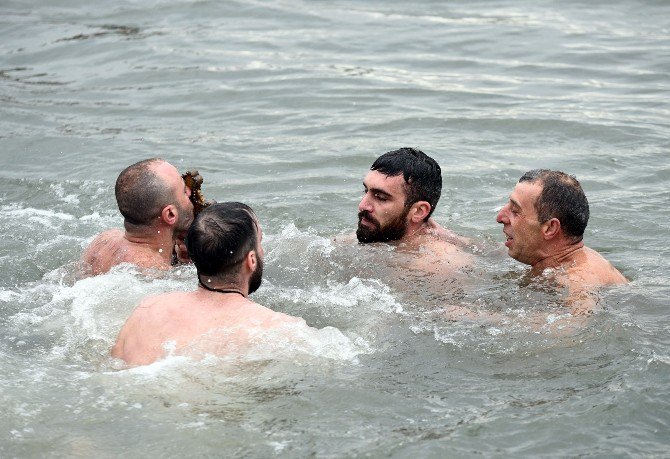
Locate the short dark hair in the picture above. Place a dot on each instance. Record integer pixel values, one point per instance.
(422, 174)
(220, 237)
(562, 197)
(140, 193)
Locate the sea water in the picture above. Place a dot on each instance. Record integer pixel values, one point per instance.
(284, 105)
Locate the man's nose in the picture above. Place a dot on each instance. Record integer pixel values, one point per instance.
(502, 215)
(365, 205)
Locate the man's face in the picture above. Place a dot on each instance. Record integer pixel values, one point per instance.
(382, 214)
(521, 225)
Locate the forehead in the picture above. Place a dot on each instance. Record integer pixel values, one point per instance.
(391, 185)
(526, 194)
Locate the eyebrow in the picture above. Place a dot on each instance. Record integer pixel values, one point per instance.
(377, 190)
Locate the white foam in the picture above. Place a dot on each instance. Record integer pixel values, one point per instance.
(8, 295)
(84, 318)
(371, 292)
(14, 211)
(292, 342)
(307, 241)
(155, 369)
(59, 191)
(60, 239)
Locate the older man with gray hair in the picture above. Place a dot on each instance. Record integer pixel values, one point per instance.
(544, 223)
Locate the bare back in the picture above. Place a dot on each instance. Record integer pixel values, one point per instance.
(179, 318)
(111, 248)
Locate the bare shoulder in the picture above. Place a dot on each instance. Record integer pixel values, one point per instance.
(106, 238)
(146, 309)
(435, 229)
(102, 252)
(113, 234)
(346, 238)
(591, 268)
(111, 248)
(442, 252)
(151, 323)
(164, 305)
(271, 319)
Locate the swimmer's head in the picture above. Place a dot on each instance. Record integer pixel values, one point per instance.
(401, 190)
(222, 238)
(562, 197)
(547, 210)
(421, 173)
(144, 189)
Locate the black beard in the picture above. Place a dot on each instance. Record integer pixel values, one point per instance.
(256, 277)
(395, 229)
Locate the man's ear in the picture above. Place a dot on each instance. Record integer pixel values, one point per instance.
(551, 228)
(169, 214)
(251, 260)
(419, 211)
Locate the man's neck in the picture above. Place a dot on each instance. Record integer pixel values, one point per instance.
(160, 241)
(558, 257)
(413, 232)
(235, 283)
(219, 288)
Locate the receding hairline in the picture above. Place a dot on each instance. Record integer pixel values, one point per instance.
(540, 176)
(561, 196)
(148, 163)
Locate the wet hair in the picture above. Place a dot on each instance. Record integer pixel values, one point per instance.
(562, 197)
(140, 193)
(220, 237)
(422, 174)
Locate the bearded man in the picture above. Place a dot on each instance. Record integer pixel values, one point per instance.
(400, 194)
(224, 244)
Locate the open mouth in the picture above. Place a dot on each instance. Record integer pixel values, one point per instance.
(508, 240)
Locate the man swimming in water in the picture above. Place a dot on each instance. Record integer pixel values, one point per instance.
(544, 223)
(400, 194)
(224, 244)
(154, 201)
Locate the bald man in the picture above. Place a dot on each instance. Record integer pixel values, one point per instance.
(154, 201)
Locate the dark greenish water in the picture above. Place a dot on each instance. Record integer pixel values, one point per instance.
(284, 105)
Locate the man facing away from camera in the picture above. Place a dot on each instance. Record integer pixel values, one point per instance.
(400, 194)
(224, 244)
(154, 201)
(544, 223)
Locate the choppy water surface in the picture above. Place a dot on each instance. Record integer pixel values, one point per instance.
(284, 105)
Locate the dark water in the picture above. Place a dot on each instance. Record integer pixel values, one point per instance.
(284, 105)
